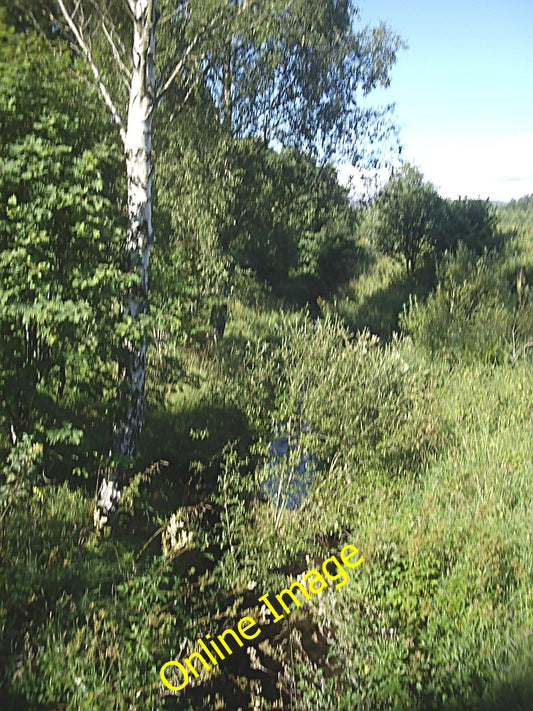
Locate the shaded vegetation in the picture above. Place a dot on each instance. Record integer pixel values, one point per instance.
(426, 469)
(408, 395)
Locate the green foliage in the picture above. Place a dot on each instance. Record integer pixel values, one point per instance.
(293, 223)
(263, 238)
(410, 220)
(446, 554)
(517, 215)
(348, 400)
(404, 217)
(99, 616)
(190, 264)
(59, 258)
(443, 571)
(473, 314)
(21, 470)
(376, 297)
(469, 222)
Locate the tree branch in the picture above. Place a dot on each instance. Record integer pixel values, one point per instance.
(194, 42)
(170, 15)
(126, 73)
(131, 6)
(521, 351)
(86, 51)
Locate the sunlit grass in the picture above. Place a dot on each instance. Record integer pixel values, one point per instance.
(438, 499)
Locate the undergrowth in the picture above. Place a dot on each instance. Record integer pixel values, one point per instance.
(419, 452)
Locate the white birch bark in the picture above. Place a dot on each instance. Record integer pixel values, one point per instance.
(139, 240)
(85, 18)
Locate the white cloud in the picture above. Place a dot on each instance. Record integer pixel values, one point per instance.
(499, 170)
(362, 183)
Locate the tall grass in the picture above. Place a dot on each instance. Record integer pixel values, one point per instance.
(423, 461)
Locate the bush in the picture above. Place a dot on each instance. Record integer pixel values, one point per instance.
(467, 221)
(472, 313)
(343, 398)
(60, 251)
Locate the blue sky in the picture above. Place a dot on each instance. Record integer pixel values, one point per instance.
(463, 92)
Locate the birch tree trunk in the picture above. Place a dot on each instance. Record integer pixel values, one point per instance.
(139, 240)
(91, 29)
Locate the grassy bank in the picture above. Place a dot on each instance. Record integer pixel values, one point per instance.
(422, 455)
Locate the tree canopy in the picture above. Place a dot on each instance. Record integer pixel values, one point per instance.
(61, 214)
(404, 216)
(299, 77)
(289, 74)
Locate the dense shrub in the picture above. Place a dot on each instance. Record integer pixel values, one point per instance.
(60, 264)
(442, 578)
(426, 471)
(473, 313)
(292, 219)
(340, 398)
(470, 222)
(438, 615)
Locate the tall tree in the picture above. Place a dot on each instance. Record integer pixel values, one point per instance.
(405, 215)
(300, 80)
(117, 38)
(127, 81)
